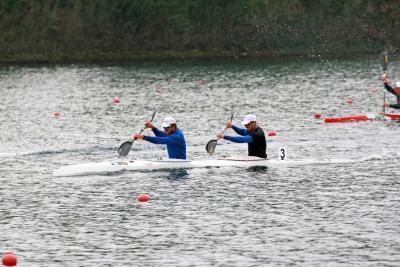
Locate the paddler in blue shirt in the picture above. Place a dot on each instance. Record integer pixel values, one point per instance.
(395, 91)
(252, 135)
(172, 137)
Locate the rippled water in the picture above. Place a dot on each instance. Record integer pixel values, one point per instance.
(342, 213)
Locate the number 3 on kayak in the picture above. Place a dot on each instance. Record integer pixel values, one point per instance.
(282, 153)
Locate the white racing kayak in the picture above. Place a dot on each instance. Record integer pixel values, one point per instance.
(145, 165)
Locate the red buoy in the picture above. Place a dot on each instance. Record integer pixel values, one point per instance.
(349, 101)
(143, 198)
(9, 259)
(117, 101)
(317, 115)
(271, 133)
(56, 114)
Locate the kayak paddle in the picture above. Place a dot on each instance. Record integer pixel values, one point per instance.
(125, 148)
(384, 61)
(212, 144)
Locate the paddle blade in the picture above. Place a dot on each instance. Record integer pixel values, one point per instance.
(211, 145)
(384, 60)
(125, 148)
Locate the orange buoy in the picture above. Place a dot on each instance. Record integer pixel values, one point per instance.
(271, 133)
(317, 115)
(9, 259)
(143, 198)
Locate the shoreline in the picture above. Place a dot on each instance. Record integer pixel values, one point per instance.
(144, 56)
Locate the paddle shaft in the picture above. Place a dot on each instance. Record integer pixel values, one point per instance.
(232, 114)
(384, 101)
(384, 60)
(151, 120)
(210, 146)
(125, 147)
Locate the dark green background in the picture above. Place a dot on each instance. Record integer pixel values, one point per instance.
(93, 30)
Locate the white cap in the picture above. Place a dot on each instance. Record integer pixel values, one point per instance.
(168, 121)
(248, 118)
(397, 84)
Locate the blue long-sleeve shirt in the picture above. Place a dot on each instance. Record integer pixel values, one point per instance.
(176, 144)
(244, 138)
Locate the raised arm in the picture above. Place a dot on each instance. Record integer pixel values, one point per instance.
(165, 140)
(387, 83)
(241, 131)
(239, 139)
(159, 133)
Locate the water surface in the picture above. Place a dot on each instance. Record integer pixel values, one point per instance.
(342, 213)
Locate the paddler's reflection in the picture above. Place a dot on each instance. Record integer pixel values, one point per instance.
(177, 174)
(259, 169)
